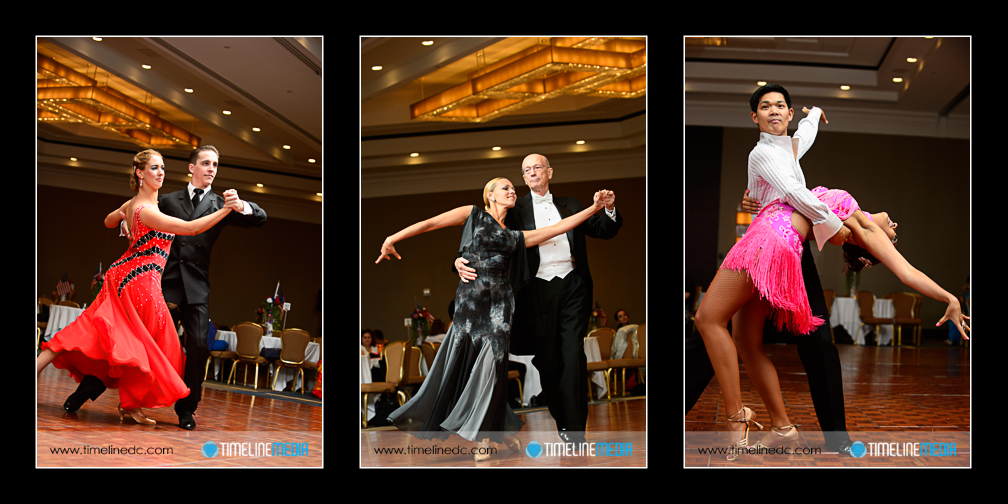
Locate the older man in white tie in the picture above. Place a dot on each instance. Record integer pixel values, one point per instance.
(552, 312)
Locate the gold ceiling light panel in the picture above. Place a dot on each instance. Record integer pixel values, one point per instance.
(590, 66)
(67, 96)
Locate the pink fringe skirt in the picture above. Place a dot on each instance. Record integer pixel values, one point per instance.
(770, 253)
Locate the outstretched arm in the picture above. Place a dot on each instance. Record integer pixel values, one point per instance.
(455, 217)
(869, 236)
(537, 236)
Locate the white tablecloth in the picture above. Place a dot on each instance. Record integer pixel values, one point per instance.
(60, 317)
(845, 312)
(284, 374)
(593, 354)
(531, 384)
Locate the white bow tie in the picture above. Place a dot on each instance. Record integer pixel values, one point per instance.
(542, 199)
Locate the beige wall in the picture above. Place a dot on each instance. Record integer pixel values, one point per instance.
(388, 289)
(244, 269)
(923, 183)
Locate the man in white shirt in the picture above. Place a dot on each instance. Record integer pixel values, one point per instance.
(552, 313)
(774, 173)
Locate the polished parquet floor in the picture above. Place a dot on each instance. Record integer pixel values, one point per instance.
(617, 437)
(234, 428)
(894, 398)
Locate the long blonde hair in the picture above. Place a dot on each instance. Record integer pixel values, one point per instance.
(489, 188)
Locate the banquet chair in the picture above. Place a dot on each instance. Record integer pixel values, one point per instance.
(628, 361)
(830, 295)
(38, 337)
(249, 335)
(605, 336)
(904, 314)
(515, 375)
(67, 302)
(866, 305)
(46, 302)
(396, 354)
(411, 373)
(429, 351)
(293, 343)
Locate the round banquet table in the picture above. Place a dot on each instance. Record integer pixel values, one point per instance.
(284, 374)
(845, 312)
(593, 354)
(60, 317)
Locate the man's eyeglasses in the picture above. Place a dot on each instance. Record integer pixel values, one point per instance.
(526, 171)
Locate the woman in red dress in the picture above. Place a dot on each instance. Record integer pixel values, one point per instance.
(126, 338)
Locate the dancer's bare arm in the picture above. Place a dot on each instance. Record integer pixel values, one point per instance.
(869, 236)
(455, 217)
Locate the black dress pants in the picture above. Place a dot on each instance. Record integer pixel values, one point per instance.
(818, 355)
(561, 311)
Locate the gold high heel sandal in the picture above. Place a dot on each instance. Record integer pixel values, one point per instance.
(746, 416)
(130, 413)
(485, 455)
(778, 436)
(513, 443)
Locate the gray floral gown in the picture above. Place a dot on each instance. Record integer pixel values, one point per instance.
(465, 392)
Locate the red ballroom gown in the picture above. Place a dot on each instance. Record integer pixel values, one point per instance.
(126, 338)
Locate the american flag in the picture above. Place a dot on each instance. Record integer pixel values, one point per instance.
(63, 287)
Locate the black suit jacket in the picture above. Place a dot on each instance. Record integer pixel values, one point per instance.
(522, 216)
(187, 271)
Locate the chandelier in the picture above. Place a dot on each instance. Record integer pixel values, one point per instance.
(67, 96)
(588, 66)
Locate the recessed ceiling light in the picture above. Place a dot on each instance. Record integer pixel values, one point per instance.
(96, 39)
(911, 60)
(188, 90)
(227, 112)
(287, 147)
(376, 68)
(256, 129)
(146, 67)
(580, 142)
(73, 159)
(428, 42)
(496, 148)
(415, 154)
(311, 160)
(259, 185)
(318, 194)
(845, 87)
(897, 79)
(761, 83)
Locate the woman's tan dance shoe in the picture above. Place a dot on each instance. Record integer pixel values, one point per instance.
(779, 436)
(747, 417)
(483, 453)
(137, 416)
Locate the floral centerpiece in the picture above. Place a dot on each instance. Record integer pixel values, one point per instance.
(420, 326)
(598, 318)
(271, 313)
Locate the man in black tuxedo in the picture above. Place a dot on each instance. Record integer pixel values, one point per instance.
(551, 314)
(185, 282)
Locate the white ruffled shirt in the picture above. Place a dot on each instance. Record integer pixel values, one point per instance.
(774, 173)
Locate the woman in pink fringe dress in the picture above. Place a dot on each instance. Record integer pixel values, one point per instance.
(761, 276)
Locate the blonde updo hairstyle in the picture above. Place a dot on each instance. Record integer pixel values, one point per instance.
(139, 162)
(489, 188)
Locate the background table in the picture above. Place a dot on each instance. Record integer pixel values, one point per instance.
(365, 377)
(284, 375)
(845, 312)
(60, 317)
(593, 354)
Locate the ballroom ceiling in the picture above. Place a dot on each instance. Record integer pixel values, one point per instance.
(917, 86)
(273, 84)
(402, 155)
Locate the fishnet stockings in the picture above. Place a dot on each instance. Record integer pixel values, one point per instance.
(732, 296)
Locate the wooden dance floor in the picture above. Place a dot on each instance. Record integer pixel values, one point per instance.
(908, 407)
(233, 429)
(617, 437)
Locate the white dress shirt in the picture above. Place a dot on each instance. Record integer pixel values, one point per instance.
(774, 173)
(555, 258)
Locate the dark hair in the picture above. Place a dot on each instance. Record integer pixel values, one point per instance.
(194, 155)
(768, 88)
(853, 255)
